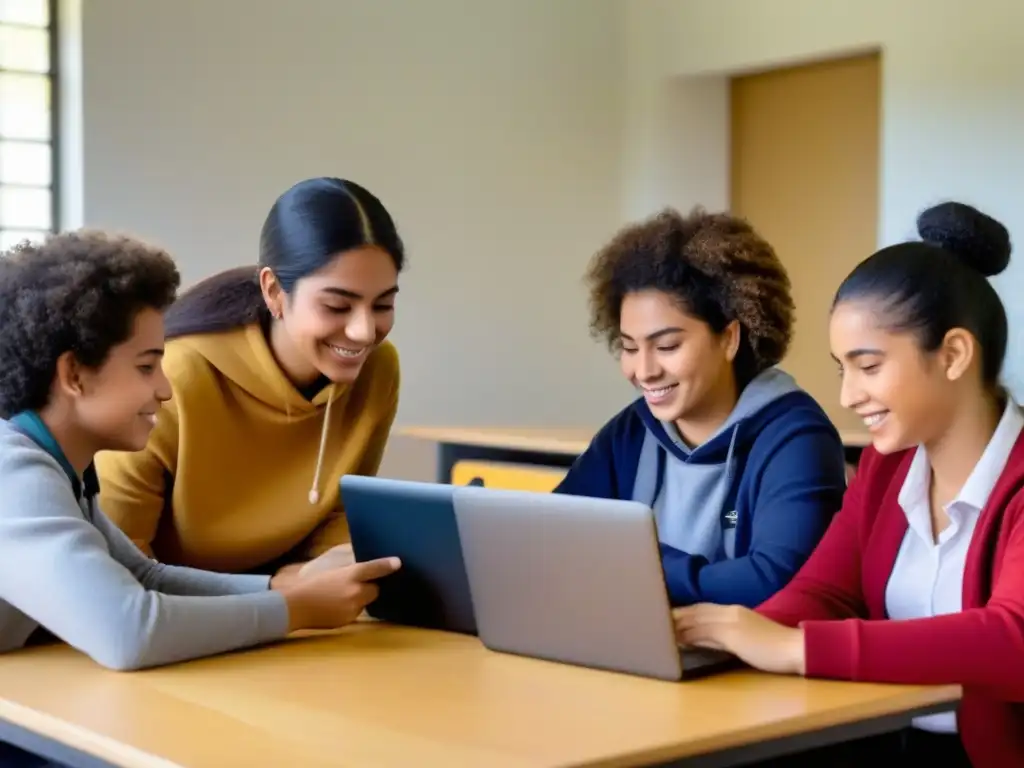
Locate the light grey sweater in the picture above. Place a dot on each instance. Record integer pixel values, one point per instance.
(66, 567)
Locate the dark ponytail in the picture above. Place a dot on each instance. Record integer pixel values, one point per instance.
(307, 227)
(938, 284)
(225, 301)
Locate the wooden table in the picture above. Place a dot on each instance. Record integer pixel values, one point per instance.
(538, 446)
(382, 696)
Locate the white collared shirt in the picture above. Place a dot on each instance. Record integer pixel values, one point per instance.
(928, 577)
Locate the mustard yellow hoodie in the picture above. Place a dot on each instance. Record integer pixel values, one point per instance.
(232, 477)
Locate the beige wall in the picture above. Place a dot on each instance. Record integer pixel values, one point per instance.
(511, 137)
(952, 102)
(491, 128)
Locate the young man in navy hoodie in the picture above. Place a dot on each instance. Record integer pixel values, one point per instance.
(743, 468)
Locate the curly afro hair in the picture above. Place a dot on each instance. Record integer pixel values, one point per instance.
(79, 292)
(715, 265)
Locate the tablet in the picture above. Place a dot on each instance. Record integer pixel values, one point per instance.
(415, 522)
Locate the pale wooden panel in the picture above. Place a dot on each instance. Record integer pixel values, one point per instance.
(566, 441)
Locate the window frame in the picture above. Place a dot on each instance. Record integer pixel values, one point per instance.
(54, 142)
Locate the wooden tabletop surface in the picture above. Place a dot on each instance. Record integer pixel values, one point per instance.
(383, 696)
(544, 440)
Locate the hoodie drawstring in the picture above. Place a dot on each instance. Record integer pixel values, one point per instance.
(314, 491)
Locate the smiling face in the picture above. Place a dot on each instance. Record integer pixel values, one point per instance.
(335, 317)
(905, 395)
(682, 367)
(116, 404)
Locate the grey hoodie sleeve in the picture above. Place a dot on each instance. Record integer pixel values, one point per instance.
(57, 568)
(170, 579)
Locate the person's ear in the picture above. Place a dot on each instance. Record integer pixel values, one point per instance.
(70, 375)
(959, 349)
(273, 293)
(731, 337)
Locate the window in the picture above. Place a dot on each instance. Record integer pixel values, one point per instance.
(28, 120)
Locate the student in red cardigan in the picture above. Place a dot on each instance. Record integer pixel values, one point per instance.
(920, 577)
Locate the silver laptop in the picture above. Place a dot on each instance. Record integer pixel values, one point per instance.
(572, 579)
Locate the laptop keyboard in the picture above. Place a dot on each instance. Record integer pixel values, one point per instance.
(697, 658)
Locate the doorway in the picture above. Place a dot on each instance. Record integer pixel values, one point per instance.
(805, 172)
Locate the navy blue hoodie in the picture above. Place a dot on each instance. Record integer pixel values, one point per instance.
(738, 515)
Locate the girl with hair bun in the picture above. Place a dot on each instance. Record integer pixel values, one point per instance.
(920, 577)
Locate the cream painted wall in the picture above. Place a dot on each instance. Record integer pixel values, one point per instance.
(511, 138)
(952, 93)
(491, 128)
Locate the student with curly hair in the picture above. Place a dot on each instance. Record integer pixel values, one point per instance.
(283, 381)
(80, 372)
(743, 469)
(920, 579)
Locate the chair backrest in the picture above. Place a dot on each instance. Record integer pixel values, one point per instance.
(507, 475)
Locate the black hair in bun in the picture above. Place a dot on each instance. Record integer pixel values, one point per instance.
(980, 241)
(931, 286)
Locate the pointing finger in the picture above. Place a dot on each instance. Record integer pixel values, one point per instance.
(372, 570)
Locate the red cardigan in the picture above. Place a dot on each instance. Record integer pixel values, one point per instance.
(838, 597)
